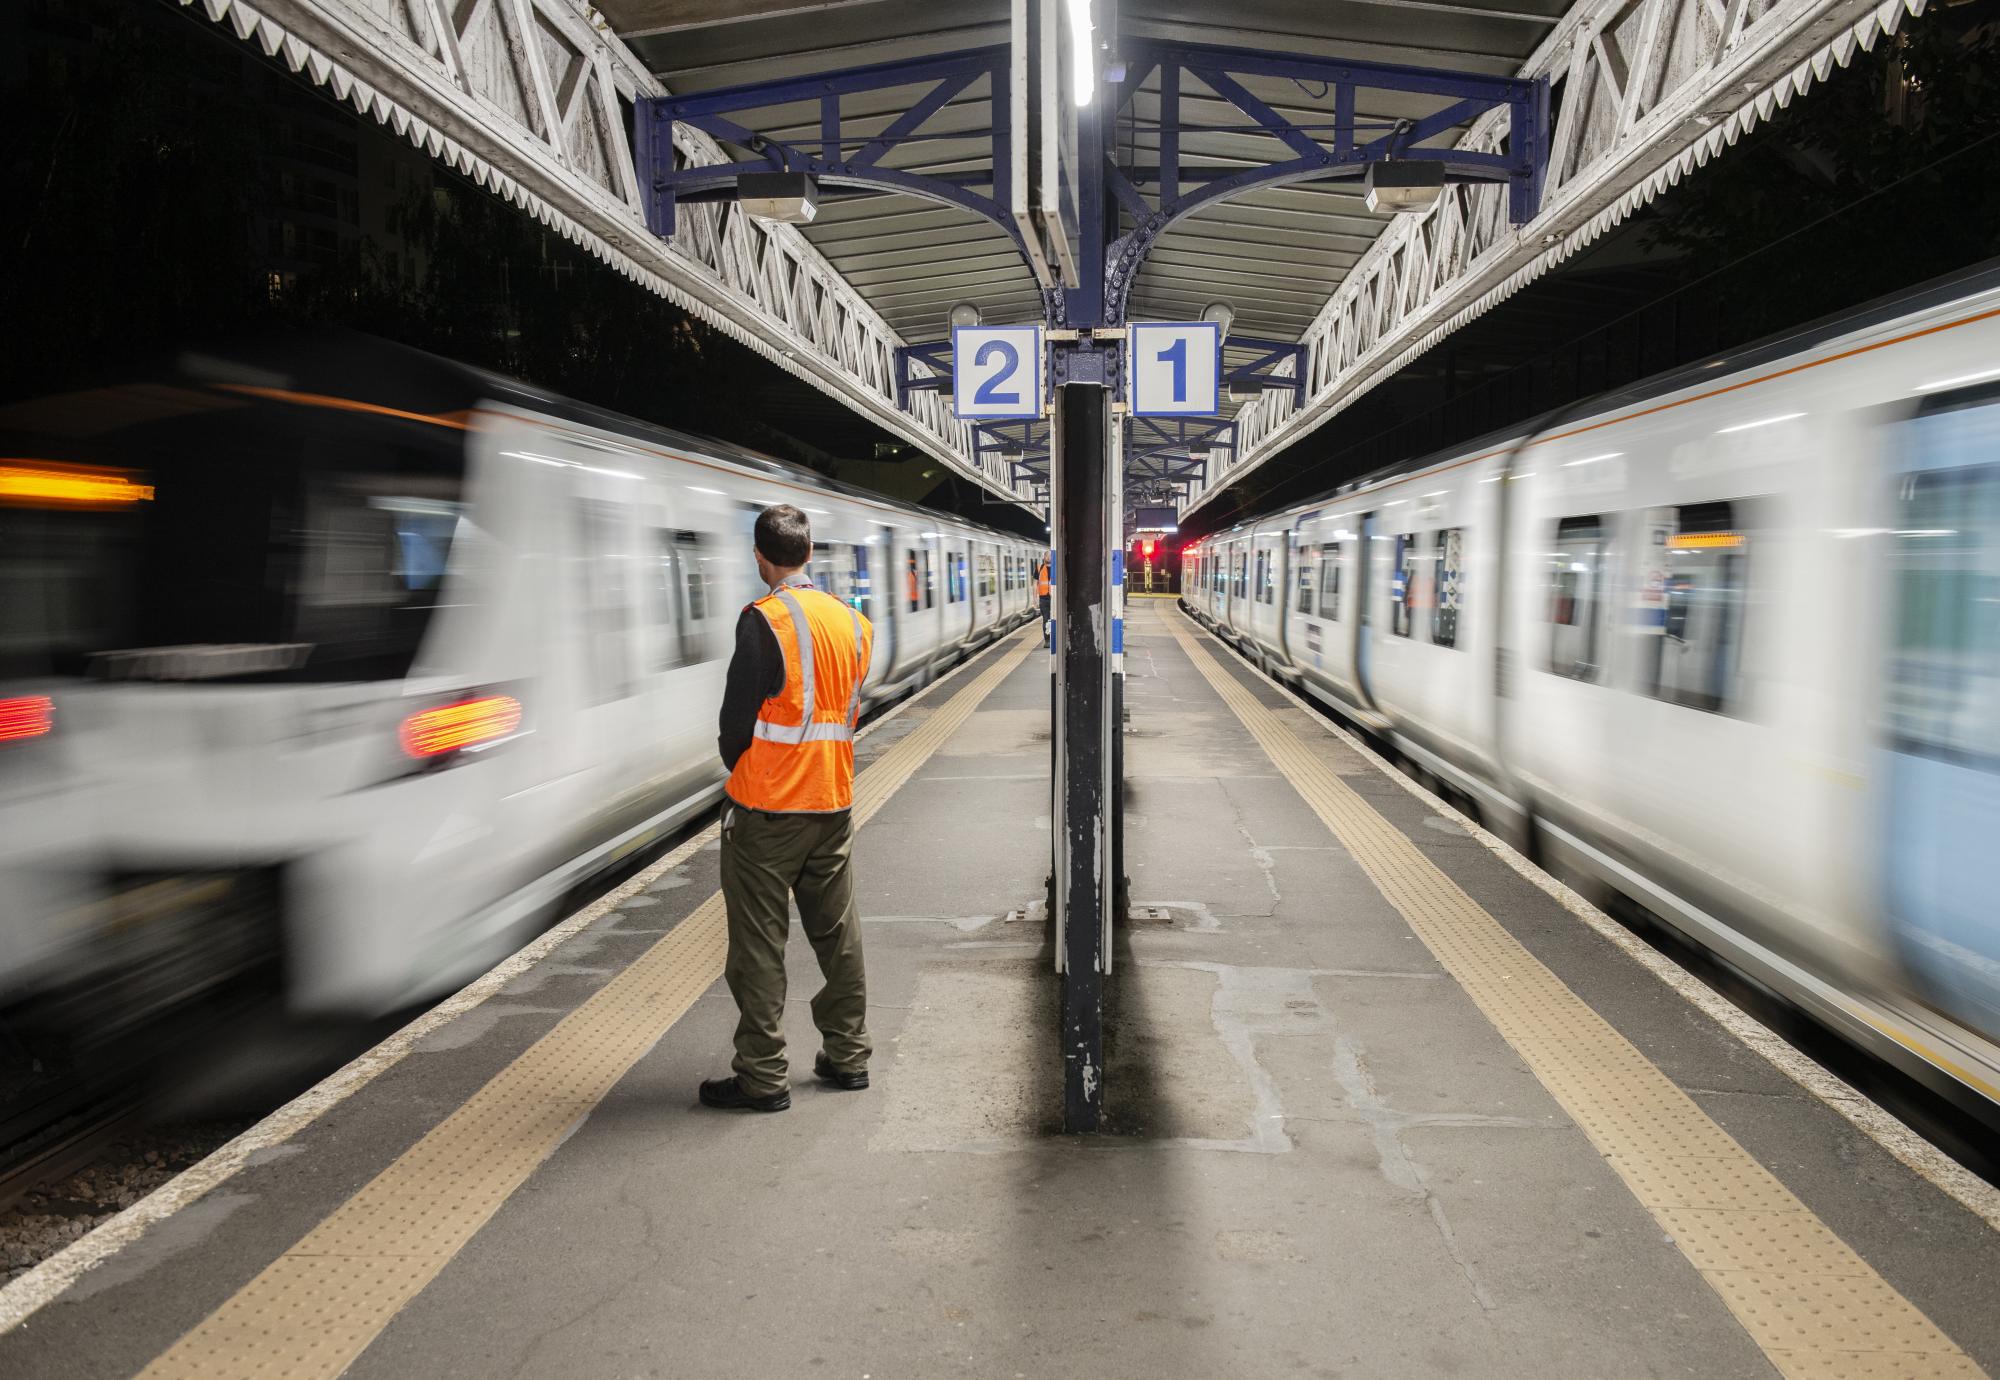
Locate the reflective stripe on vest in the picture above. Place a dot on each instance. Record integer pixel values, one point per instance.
(799, 762)
(806, 731)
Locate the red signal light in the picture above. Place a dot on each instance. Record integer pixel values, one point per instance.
(1147, 548)
(462, 724)
(27, 716)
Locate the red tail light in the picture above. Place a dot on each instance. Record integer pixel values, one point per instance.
(29, 716)
(462, 724)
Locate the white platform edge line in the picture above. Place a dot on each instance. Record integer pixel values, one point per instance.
(25, 1296)
(1880, 1125)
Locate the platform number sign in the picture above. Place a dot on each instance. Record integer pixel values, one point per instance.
(996, 372)
(1176, 368)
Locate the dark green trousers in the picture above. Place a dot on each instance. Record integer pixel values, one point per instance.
(767, 860)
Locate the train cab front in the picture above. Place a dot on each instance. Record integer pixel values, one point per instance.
(223, 755)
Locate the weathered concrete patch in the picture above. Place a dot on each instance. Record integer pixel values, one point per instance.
(976, 1066)
(1000, 733)
(1176, 1057)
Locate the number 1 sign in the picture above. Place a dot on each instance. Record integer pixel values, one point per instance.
(1176, 368)
(996, 372)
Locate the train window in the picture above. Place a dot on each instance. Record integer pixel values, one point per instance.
(863, 597)
(821, 570)
(1305, 585)
(985, 569)
(682, 609)
(1329, 580)
(666, 598)
(1403, 587)
(1944, 684)
(1239, 582)
(1447, 584)
(1694, 650)
(1576, 586)
(606, 599)
(930, 580)
(1266, 575)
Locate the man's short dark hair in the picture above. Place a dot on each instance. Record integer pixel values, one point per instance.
(784, 536)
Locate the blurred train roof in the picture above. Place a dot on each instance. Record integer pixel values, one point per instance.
(1974, 281)
(332, 366)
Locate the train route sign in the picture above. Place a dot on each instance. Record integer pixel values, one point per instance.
(996, 372)
(1176, 368)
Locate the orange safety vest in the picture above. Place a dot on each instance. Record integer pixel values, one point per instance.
(801, 754)
(1042, 579)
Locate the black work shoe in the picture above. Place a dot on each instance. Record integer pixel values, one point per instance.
(728, 1092)
(824, 1070)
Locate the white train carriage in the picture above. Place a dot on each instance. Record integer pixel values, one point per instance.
(1724, 643)
(356, 660)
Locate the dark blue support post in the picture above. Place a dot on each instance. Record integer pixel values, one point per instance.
(1087, 796)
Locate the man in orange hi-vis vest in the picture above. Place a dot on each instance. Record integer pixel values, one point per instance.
(787, 736)
(1042, 594)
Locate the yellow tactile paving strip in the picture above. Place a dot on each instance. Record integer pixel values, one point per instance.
(1815, 1307)
(315, 1309)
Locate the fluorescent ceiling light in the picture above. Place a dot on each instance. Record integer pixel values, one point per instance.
(1403, 184)
(790, 198)
(1761, 421)
(1083, 78)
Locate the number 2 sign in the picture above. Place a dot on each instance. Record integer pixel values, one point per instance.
(1176, 368)
(996, 371)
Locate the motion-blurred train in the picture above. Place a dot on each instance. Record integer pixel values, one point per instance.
(1726, 644)
(351, 661)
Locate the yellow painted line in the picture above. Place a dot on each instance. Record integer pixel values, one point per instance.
(319, 1305)
(1815, 1307)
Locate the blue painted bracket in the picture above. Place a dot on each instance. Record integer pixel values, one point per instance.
(1160, 447)
(1179, 189)
(937, 355)
(831, 155)
(1262, 368)
(1029, 436)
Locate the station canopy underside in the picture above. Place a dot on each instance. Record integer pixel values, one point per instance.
(1274, 254)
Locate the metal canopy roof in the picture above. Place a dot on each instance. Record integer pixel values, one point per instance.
(1275, 255)
(528, 98)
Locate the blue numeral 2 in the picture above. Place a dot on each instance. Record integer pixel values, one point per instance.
(991, 350)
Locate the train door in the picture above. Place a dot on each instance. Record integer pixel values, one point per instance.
(1364, 602)
(1942, 714)
(985, 588)
(617, 755)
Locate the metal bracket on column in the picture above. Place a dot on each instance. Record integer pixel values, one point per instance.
(1157, 195)
(936, 356)
(1261, 370)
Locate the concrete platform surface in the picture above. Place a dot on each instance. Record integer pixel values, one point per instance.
(1325, 1157)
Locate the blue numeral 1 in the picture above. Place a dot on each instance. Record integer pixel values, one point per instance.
(1176, 355)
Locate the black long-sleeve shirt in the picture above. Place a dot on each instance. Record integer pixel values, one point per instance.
(756, 672)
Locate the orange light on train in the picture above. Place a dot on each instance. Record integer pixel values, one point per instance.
(44, 484)
(1704, 541)
(462, 724)
(26, 716)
